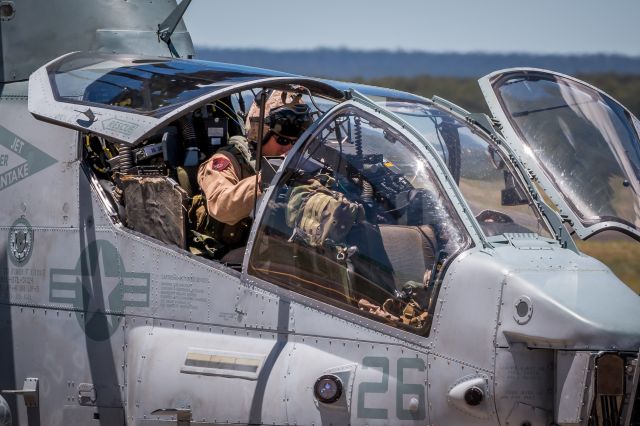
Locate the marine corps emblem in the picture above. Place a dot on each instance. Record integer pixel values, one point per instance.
(20, 242)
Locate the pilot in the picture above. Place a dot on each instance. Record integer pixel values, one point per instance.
(228, 181)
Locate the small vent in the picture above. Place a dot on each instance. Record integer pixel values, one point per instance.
(222, 363)
(7, 10)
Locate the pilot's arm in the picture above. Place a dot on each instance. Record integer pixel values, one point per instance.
(320, 213)
(229, 198)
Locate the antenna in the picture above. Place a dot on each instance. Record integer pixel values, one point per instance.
(168, 26)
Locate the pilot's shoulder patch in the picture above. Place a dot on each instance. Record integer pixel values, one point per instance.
(220, 163)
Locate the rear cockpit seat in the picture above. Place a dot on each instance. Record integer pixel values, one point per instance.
(411, 251)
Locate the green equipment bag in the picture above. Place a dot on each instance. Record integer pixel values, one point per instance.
(320, 215)
(211, 238)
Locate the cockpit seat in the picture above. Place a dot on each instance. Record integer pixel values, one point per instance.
(411, 250)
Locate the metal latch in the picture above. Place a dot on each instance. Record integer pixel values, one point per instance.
(30, 392)
(86, 394)
(183, 415)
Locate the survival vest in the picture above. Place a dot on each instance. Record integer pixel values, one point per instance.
(209, 237)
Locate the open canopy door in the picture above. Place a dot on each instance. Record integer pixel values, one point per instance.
(581, 144)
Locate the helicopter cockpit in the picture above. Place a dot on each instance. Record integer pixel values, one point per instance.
(355, 218)
(356, 215)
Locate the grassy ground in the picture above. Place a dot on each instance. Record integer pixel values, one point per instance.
(622, 256)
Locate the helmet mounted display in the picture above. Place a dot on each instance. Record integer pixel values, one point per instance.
(288, 122)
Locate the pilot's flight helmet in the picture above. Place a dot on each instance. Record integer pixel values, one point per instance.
(276, 99)
(289, 121)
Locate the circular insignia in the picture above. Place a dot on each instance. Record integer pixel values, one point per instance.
(219, 164)
(20, 242)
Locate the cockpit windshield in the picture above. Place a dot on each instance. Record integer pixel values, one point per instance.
(359, 219)
(494, 194)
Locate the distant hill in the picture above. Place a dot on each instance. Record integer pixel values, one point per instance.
(349, 64)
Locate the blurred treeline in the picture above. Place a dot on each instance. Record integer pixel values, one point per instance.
(466, 92)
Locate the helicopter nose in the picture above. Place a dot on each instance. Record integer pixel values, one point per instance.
(583, 308)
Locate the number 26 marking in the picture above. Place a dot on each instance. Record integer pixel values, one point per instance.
(402, 389)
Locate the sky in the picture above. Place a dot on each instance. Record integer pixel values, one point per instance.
(495, 26)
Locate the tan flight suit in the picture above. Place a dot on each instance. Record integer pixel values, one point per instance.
(229, 188)
(230, 191)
